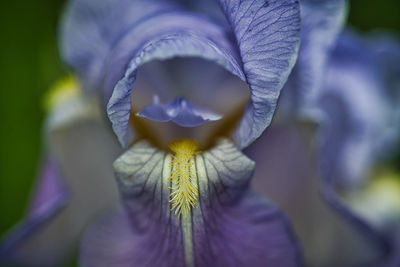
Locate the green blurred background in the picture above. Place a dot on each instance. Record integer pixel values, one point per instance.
(29, 64)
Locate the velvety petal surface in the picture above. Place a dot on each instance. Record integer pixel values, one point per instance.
(321, 24)
(268, 35)
(228, 226)
(179, 110)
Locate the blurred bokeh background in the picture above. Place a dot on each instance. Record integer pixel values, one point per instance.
(29, 64)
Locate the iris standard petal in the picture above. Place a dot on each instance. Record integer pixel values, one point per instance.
(141, 38)
(208, 7)
(268, 35)
(90, 29)
(180, 110)
(321, 23)
(179, 35)
(228, 225)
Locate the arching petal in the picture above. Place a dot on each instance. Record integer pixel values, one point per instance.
(229, 226)
(119, 105)
(139, 37)
(321, 24)
(178, 36)
(90, 29)
(268, 35)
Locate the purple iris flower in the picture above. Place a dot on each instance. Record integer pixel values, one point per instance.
(186, 85)
(184, 202)
(351, 127)
(360, 107)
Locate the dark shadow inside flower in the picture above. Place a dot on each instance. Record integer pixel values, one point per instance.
(186, 98)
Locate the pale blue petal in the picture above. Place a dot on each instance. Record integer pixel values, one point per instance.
(267, 38)
(137, 37)
(359, 110)
(178, 36)
(386, 51)
(268, 35)
(321, 23)
(90, 29)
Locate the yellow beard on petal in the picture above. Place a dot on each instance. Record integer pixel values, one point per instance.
(184, 189)
(64, 90)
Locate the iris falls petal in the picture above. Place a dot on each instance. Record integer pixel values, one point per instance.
(189, 208)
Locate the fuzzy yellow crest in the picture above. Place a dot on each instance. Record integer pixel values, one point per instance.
(184, 189)
(63, 90)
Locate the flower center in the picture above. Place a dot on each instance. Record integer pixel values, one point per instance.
(204, 84)
(184, 189)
